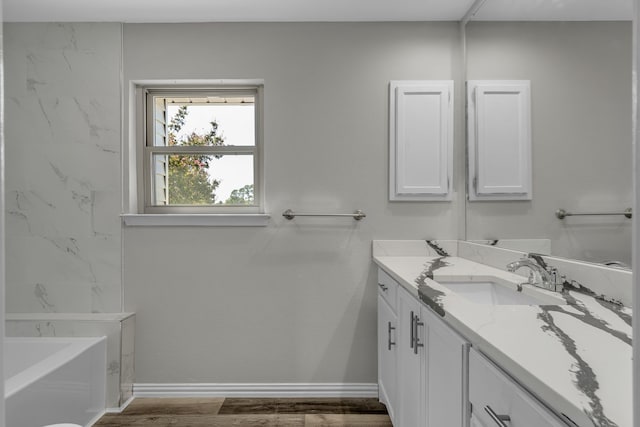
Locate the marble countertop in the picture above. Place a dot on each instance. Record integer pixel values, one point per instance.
(574, 356)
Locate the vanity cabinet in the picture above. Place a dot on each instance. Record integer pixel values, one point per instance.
(430, 376)
(387, 342)
(495, 397)
(422, 363)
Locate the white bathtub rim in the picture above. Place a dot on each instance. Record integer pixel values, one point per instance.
(23, 379)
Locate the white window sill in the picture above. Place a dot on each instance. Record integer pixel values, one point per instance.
(196, 220)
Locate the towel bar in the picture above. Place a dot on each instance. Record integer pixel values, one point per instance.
(561, 213)
(289, 214)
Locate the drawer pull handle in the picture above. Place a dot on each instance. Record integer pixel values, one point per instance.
(383, 287)
(499, 419)
(416, 337)
(390, 343)
(412, 331)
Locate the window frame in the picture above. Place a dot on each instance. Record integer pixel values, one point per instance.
(146, 174)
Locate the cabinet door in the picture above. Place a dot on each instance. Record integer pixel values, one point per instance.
(421, 140)
(499, 134)
(411, 402)
(388, 288)
(490, 390)
(447, 361)
(474, 422)
(387, 337)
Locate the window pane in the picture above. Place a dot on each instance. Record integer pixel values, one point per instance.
(202, 179)
(210, 121)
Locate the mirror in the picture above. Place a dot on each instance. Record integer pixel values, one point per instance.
(578, 59)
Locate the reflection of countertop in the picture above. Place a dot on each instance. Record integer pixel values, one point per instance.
(576, 358)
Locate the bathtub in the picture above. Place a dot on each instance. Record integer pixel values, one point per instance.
(54, 380)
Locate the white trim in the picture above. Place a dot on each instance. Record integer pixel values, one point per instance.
(118, 410)
(134, 145)
(471, 13)
(94, 419)
(256, 390)
(193, 82)
(636, 222)
(74, 317)
(196, 220)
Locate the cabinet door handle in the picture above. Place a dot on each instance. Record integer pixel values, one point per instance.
(499, 419)
(417, 342)
(383, 287)
(390, 343)
(412, 331)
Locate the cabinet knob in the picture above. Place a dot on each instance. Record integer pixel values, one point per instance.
(499, 419)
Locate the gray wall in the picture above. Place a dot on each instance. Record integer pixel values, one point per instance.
(294, 301)
(581, 126)
(2, 216)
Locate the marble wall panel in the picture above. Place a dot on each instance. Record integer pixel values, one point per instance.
(63, 176)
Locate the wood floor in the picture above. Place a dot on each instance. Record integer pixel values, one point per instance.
(222, 412)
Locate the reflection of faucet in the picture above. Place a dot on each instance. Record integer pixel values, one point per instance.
(539, 276)
(616, 264)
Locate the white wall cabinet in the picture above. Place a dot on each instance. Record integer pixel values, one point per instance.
(421, 140)
(499, 139)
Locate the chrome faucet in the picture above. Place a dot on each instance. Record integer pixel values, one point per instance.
(539, 276)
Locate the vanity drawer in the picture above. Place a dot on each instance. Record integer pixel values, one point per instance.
(490, 390)
(388, 288)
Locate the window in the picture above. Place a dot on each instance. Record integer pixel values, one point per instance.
(202, 150)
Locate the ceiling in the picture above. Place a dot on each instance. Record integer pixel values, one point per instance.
(308, 10)
(556, 10)
(234, 10)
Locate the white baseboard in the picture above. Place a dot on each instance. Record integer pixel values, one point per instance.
(256, 390)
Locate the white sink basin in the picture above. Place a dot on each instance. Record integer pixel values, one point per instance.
(497, 292)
